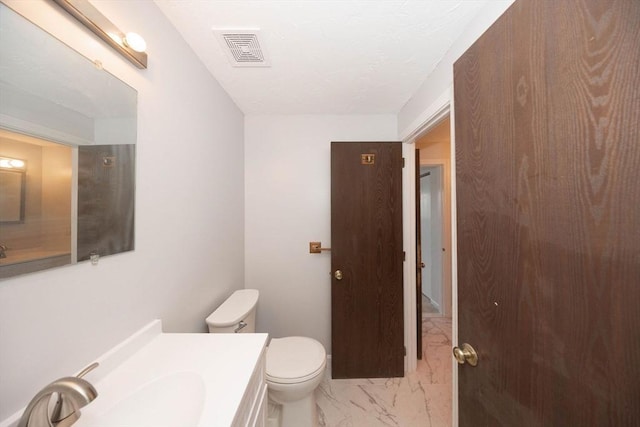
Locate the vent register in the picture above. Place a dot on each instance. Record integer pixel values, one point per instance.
(243, 47)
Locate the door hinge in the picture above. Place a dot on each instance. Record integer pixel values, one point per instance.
(404, 351)
(404, 256)
(403, 162)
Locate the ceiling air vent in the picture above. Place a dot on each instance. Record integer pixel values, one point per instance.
(243, 47)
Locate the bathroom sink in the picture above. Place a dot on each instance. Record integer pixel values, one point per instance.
(157, 379)
(174, 400)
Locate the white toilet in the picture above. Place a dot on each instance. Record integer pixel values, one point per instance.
(295, 365)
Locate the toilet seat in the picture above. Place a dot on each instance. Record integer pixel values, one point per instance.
(292, 360)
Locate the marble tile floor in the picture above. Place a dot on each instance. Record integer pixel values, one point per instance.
(420, 399)
(428, 308)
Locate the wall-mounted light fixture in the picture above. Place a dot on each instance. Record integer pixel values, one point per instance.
(129, 45)
(15, 164)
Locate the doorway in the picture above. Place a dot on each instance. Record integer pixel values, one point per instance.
(431, 193)
(433, 235)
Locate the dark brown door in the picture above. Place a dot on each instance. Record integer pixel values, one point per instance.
(418, 259)
(548, 209)
(106, 199)
(366, 256)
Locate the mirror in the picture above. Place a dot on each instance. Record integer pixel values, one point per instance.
(12, 188)
(73, 126)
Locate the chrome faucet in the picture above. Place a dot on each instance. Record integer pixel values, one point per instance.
(3, 248)
(72, 393)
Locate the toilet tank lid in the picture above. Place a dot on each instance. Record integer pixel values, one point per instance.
(235, 308)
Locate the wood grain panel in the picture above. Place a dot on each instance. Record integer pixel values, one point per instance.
(106, 199)
(366, 241)
(547, 154)
(417, 196)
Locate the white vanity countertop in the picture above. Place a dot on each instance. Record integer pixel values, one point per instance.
(177, 380)
(155, 379)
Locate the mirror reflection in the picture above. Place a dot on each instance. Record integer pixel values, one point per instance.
(44, 233)
(73, 127)
(105, 200)
(12, 189)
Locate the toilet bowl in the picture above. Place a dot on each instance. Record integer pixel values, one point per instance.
(294, 365)
(295, 368)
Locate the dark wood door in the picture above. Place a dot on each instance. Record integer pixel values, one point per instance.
(366, 248)
(106, 199)
(418, 258)
(548, 208)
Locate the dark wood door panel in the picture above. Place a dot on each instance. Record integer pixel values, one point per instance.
(547, 152)
(418, 257)
(366, 241)
(106, 199)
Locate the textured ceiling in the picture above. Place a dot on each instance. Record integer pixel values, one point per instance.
(327, 57)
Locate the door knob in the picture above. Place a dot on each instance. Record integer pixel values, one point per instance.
(465, 353)
(338, 275)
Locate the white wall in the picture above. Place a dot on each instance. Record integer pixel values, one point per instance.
(287, 200)
(189, 216)
(427, 99)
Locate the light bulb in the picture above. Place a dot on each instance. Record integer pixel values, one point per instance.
(135, 42)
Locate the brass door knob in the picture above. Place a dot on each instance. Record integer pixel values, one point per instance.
(465, 353)
(338, 275)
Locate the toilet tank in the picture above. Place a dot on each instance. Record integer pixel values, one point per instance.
(236, 314)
